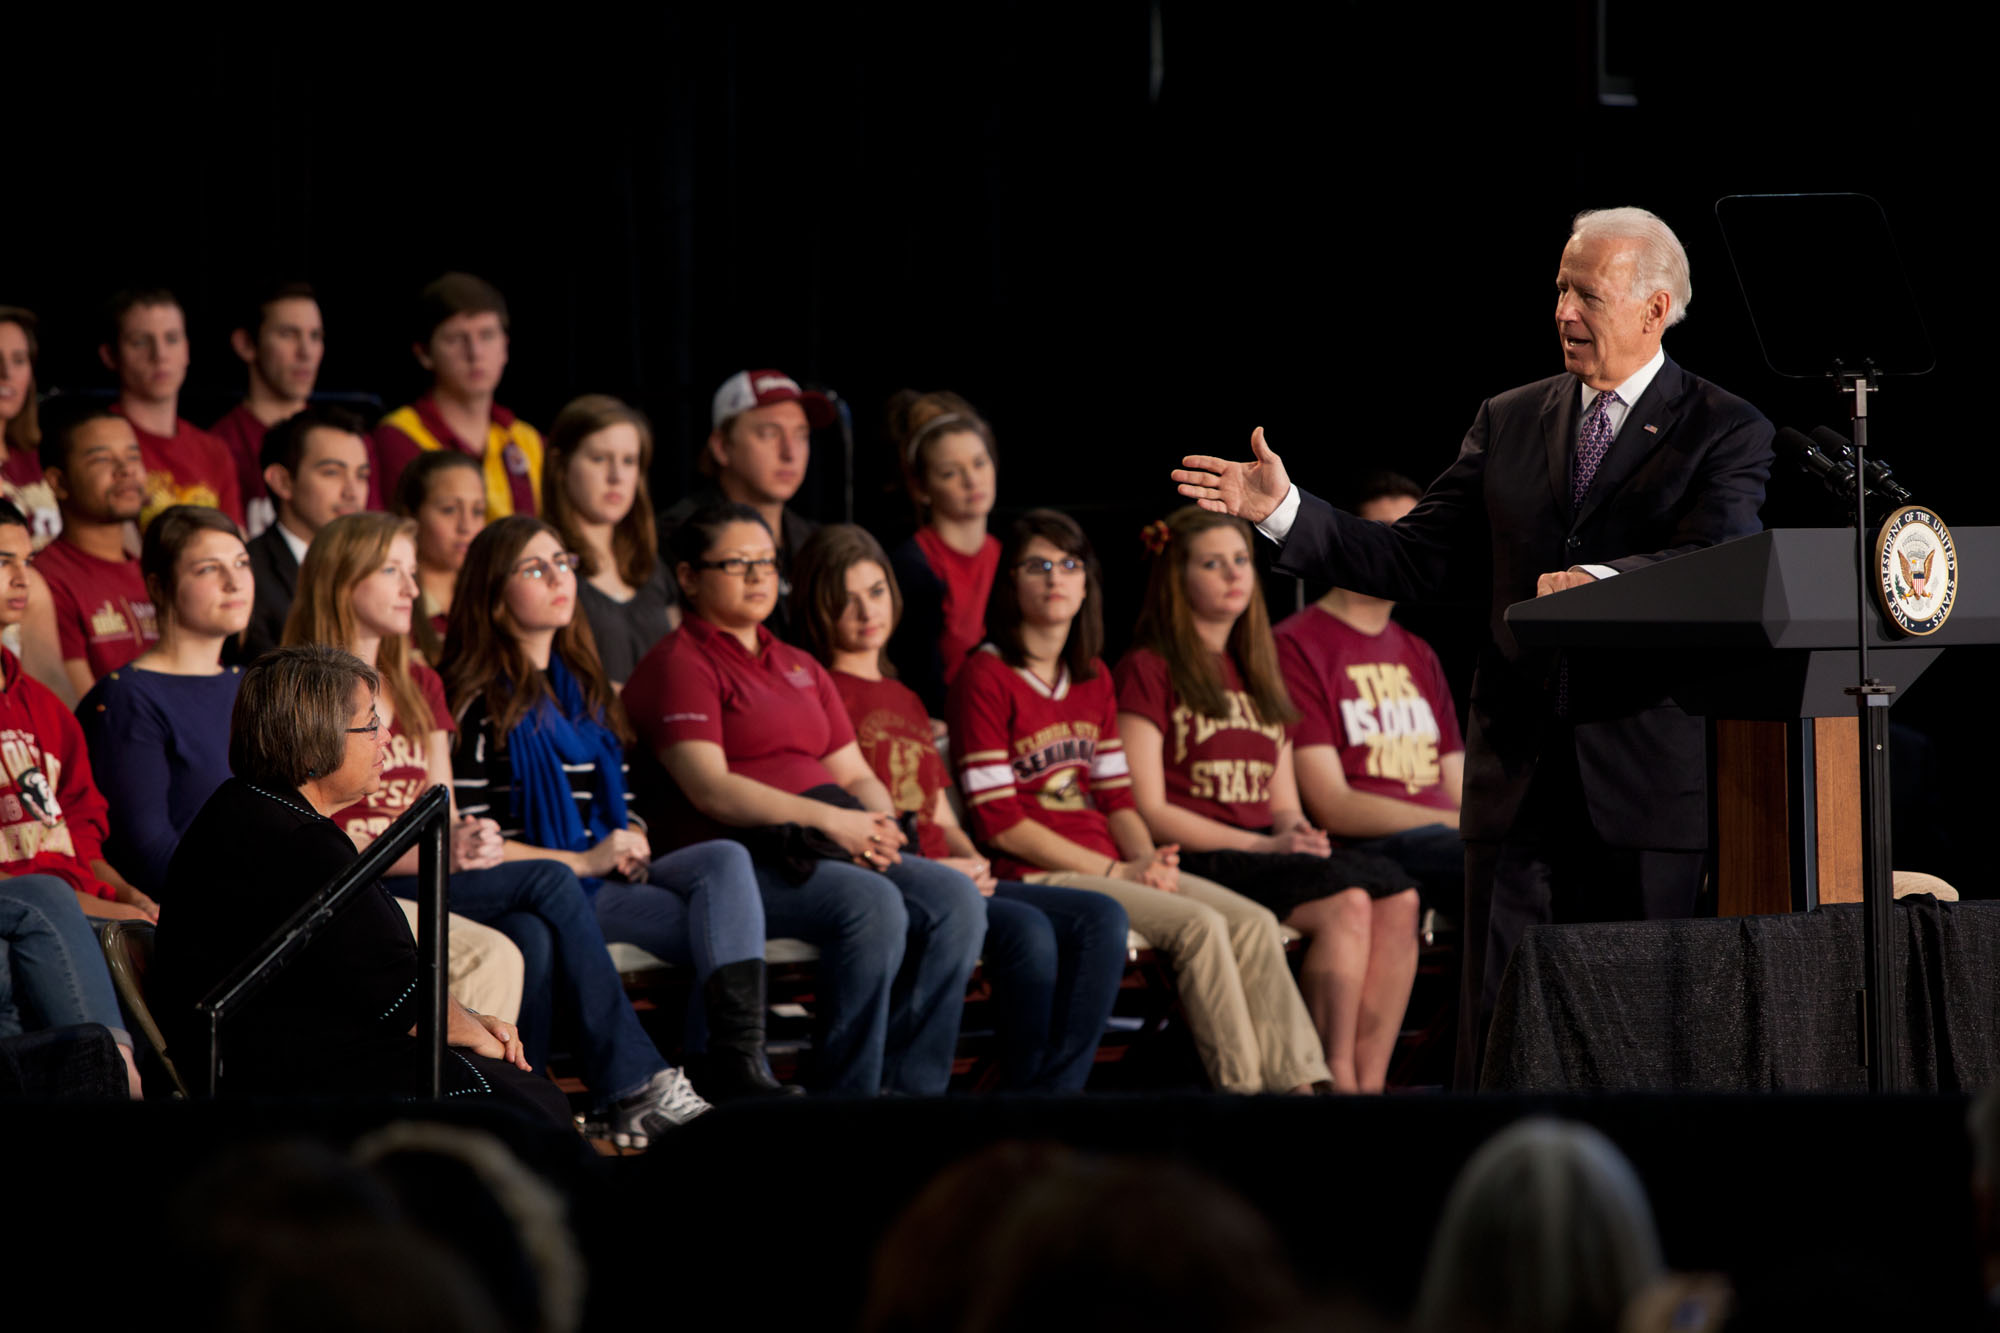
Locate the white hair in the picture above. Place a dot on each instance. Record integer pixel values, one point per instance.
(1663, 264)
(1548, 1229)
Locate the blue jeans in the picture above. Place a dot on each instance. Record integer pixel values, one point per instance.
(698, 906)
(540, 906)
(52, 970)
(883, 1024)
(1055, 958)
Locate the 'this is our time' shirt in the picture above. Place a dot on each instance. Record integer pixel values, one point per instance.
(1381, 701)
(1028, 750)
(1220, 767)
(189, 467)
(894, 733)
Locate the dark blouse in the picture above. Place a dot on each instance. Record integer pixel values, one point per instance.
(626, 630)
(338, 1018)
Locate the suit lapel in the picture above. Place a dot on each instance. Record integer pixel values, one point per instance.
(1559, 427)
(1656, 409)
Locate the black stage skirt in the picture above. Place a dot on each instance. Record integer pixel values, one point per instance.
(1283, 880)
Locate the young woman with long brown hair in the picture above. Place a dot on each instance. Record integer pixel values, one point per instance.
(541, 741)
(357, 590)
(599, 452)
(1034, 734)
(1202, 711)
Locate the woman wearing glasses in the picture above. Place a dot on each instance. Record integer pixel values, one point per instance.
(1034, 733)
(540, 750)
(757, 742)
(357, 590)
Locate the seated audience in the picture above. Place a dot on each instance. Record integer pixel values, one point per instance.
(341, 1018)
(146, 347)
(1548, 1227)
(541, 750)
(1054, 957)
(594, 488)
(946, 570)
(444, 494)
(158, 727)
(21, 479)
(280, 339)
(757, 743)
(759, 444)
(460, 339)
(103, 615)
(1379, 758)
(357, 589)
(52, 819)
(1202, 711)
(315, 468)
(1034, 733)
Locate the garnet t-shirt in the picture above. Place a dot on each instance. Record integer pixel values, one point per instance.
(968, 583)
(189, 467)
(1220, 767)
(1381, 700)
(103, 616)
(894, 734)
(406, 769)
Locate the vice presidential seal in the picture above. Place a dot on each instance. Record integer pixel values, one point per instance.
(1916, 570)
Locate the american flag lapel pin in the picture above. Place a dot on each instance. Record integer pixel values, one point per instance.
(1652, 430)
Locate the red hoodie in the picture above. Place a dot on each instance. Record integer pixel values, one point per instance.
(53, 827)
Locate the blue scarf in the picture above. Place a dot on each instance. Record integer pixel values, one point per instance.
(542, 742)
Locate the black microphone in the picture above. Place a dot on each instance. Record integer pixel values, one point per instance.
(1833, 473)
(1880, 480)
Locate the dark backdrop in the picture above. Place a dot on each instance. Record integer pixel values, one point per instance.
(1124, 230)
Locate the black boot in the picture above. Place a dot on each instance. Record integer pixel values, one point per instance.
(734, 997)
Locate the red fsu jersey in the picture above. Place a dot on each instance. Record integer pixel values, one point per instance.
(1024, 750)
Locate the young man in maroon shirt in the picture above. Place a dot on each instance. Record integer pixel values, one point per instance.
(104, 617)
(146, 346)
(460, 338)
(280, 339)
(1379, 757)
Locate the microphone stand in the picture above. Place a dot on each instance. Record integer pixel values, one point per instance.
(1881, 1003)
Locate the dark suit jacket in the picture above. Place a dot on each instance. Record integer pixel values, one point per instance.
(1687, 470)
(277, 575)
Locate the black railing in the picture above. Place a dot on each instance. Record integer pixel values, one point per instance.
(429, 820)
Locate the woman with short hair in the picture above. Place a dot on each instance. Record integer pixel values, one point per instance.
(305, 742)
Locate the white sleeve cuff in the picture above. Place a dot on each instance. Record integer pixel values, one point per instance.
(1599, 571)
(1277, 525)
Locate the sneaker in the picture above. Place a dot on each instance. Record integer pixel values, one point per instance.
(667, 1100)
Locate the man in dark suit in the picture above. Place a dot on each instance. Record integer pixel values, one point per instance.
(1585, 786)
(316, 466)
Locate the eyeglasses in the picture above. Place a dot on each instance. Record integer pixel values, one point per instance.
(740, 568)
(539, 568)
(374, 726)
(1069, 564)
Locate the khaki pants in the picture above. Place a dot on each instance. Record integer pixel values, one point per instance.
(1250, 1025)
(483, 969)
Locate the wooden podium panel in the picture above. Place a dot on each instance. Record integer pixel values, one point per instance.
(1787, 814)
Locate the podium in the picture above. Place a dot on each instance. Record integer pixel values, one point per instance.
(1758, 636)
